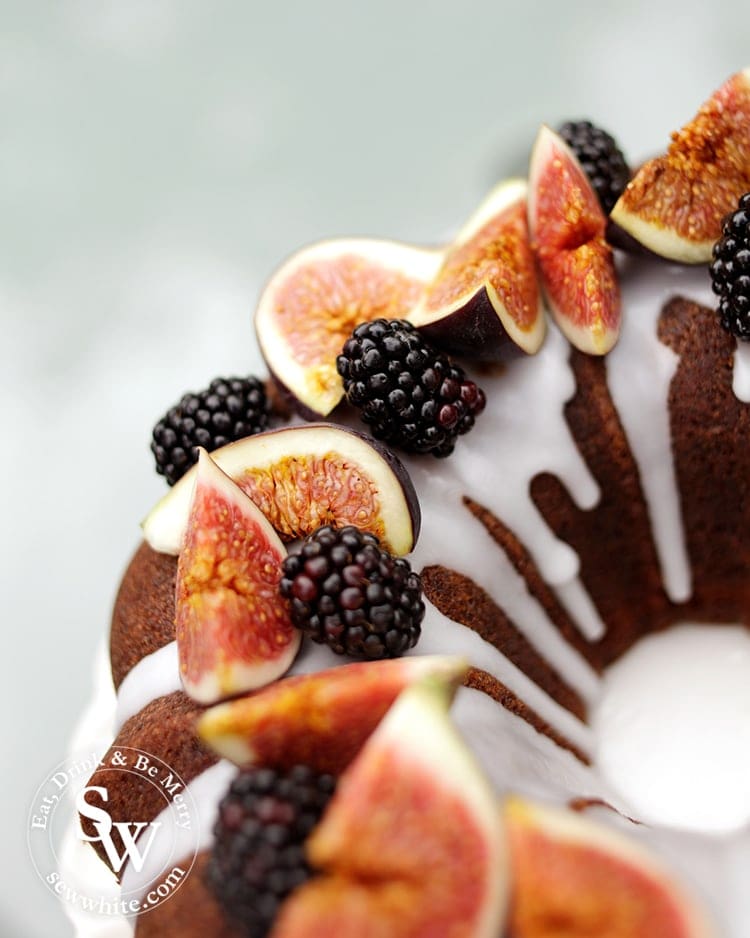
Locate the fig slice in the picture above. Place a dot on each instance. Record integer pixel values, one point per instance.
(411, 843)
(301, 478)
(485, 301)
(575, 262)
(316, 298)
(574, 877)
(675, 204)
(320, 720)
(233, 628)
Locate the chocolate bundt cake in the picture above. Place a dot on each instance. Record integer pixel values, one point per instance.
(598, 500)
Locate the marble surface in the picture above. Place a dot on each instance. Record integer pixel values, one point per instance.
(158, 159)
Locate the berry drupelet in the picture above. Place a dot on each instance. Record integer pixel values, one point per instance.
(601, 159)
(258, 856)
(228, 410)
(730, 271)
(349, 593)
(409, 394)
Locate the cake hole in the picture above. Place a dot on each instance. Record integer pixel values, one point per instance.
(672, 728)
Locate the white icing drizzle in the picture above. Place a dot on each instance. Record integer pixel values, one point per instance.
(517, 758)
(741, 372)
(639, 371)
(480, 559)
(154, 676)
(523, 433)
(581, 609)
(442, 636)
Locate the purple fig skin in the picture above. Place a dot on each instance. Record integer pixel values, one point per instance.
(293, 402)
(404, 480)
(474, 331)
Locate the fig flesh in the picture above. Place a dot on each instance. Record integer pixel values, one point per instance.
(314, 301)
(574, 877)
(320, 720)
(411, 843)
(301, 478)
(675, 204)
(575, 261)
(484, 302)
(233, 628)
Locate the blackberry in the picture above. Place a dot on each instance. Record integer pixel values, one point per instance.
(349, 593)
(730, 271)
(258, 856)
(601, 159)
(409, 394)
(227, 410)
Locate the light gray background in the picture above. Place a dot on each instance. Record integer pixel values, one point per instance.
(157, 160)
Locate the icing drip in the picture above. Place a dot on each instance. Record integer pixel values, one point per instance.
(523, 433)
(442, 636)
(528, 761)
(639, 371)
(581, 609)
(154, 676)
(741, 373)
(486, 564)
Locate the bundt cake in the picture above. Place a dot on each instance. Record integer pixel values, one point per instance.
(591, 494)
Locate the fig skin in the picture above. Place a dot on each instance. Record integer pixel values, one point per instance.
(291, 402)
(473, 332)
(489, 320)
(164, 526)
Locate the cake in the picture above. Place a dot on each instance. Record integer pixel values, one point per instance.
(600, 498)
